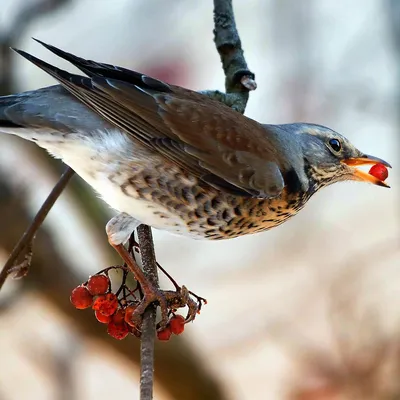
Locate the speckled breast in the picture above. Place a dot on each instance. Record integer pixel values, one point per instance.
(188, 207)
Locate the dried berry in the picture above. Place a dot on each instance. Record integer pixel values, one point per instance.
(128, 315)
(106, 304)
(117, 331)
(81, 298)
(165, 334)
(177, 324)
(379, 171)
(98, 284)
(104, 319)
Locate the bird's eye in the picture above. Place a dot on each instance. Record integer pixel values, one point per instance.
(335, 144)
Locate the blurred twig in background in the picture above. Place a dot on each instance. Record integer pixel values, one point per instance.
(26, 241)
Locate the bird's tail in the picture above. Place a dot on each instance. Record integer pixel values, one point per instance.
(50, 109)
(28, 110)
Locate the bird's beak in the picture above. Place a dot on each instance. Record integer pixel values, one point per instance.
(360, 175)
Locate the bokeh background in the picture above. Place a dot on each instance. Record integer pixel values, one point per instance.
(310, 310)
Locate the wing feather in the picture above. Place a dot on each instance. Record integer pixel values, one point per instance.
(205, 137)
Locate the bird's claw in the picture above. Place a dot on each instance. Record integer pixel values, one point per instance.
(153, 295)
(183, 300)
(169, 301)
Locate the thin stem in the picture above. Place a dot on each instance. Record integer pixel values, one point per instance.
(30, 233)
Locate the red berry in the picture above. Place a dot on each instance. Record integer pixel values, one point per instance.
(379, 171)
(104, 319)
(117, 331)
(177, 324)
(165, 334)
(106, 304)
(98, 284)
(81, 298)
(119, 317)
(128, 315)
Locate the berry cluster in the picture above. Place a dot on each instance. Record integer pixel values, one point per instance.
(116, 309)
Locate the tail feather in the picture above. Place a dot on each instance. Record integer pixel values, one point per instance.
(66, 107)
(96, 69)
(50, 108)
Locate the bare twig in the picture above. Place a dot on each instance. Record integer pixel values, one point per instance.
(239, 80)
(29, 234)
(149, 319)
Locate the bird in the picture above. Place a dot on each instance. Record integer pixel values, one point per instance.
(175, 159)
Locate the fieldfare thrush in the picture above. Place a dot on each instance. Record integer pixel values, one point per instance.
(173, 158)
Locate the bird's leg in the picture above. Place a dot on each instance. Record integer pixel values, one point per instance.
(119, 230)
(151, 293)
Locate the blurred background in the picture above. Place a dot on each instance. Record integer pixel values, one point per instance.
(310, 310)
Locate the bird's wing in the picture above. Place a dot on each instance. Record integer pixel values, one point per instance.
(207, 138)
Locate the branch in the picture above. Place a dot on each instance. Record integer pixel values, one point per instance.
(149, 319)
(239, 80)
(29, 235)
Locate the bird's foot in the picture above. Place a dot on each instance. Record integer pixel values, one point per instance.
(168, 300)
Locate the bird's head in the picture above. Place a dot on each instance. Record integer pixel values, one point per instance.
(329, 157)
